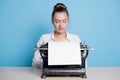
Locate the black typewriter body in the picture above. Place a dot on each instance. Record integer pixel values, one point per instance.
(63, 70)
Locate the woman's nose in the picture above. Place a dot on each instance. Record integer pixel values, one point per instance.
(60, 24)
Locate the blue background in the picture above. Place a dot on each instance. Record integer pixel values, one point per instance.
(22, 22)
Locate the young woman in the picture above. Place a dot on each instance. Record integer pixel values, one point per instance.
(60, 19)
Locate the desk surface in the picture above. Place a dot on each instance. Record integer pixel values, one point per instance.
(29, 73)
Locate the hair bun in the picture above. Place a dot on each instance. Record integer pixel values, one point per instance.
(60, 7)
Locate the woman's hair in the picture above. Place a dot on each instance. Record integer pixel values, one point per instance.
(59, 7)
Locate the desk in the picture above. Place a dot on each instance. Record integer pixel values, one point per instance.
(29, 73)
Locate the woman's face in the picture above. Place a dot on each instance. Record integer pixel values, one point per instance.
(60, 21)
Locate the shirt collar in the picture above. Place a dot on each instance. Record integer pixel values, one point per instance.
(68, 36)
(52, 36)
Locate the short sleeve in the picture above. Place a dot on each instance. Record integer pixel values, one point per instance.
(77, 39)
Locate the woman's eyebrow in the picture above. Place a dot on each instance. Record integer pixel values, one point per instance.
(62, 19)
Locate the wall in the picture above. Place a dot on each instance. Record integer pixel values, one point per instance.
(22, 22)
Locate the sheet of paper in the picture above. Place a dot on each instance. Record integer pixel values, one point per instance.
(64, 53)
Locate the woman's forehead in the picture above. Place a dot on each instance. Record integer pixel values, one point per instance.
(60, 15)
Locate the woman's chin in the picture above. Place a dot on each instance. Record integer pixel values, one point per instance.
(60, 32)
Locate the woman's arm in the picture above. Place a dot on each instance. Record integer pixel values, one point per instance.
(37, 60)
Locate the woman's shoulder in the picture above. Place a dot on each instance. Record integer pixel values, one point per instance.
(73, 37)
(43, 39)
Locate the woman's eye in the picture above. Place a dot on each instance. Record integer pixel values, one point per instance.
(57, 21)
(64, 21)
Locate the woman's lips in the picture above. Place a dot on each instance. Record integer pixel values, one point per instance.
(61, 29)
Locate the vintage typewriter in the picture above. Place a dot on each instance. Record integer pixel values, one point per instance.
(64, 70)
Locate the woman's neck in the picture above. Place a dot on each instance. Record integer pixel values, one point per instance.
(60, 36)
